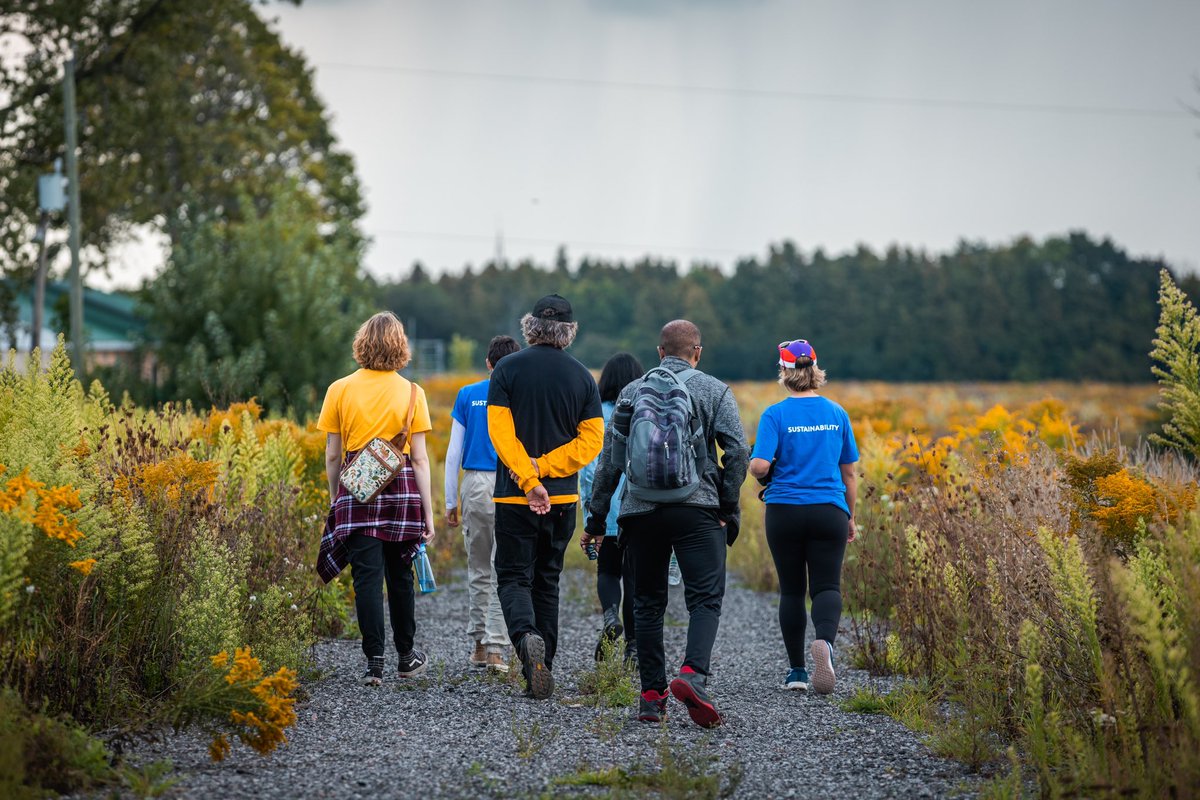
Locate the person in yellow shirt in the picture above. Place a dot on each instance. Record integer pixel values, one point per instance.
(379, 538)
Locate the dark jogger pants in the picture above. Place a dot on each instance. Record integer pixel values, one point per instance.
(808, 543)
(372, 562)
(698, 539)
(529, 560)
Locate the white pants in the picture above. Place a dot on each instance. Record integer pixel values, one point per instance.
(485, 622)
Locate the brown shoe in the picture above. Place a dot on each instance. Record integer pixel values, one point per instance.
(496, 662)
(479, 656)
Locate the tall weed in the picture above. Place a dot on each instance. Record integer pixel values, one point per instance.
(132, 542)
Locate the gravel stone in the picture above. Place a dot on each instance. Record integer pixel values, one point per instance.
(454, 731)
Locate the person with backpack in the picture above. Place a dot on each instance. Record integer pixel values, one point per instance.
(806, 454)
(663, 438)
(545, 421)
(471, 448)
(379, 535)
(612, 567)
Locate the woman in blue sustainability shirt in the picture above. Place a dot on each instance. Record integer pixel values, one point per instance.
(611, 566)
(805, 449)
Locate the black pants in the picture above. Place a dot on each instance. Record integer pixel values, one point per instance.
(698, 539)
(614, 568)
(372, 561)
(808, 544)
(529, 560)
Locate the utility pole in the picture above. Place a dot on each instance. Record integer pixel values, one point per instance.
(39, 285)
(50, 200)
(76, 275)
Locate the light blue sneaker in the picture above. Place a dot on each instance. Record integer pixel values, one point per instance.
(797, 679)
(674, 576)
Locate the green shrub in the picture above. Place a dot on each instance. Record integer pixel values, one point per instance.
(1177, 351)
(209, 614)
(279, 629)
(131, 541)
(612, 683)
(40, 755)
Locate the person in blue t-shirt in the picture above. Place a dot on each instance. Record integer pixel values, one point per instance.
(471, 449)
(805, 454)
(612, 565)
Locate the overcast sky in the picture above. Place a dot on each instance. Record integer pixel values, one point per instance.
(706, 129)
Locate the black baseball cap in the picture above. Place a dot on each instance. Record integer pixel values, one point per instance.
(553, 307)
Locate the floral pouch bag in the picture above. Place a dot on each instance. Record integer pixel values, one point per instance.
(377, 464)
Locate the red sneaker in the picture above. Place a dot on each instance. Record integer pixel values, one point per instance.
(689, 689)
(652, 707)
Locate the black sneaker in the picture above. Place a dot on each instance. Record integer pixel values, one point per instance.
(533, 660)
(689, 689)
(612, 631)
(631, 659)
(413, 663)
(374, 673)
(652, 706)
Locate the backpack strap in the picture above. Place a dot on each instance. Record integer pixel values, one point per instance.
(698, 429)
(401, 438)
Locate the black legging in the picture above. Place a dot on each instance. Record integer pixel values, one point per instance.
(808, 544)
(613, 568)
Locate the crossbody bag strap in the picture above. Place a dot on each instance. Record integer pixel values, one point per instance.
(401, 438)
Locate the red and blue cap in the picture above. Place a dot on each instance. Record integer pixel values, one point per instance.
(791, 352)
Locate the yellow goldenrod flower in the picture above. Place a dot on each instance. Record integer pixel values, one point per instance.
(50, 517)
(219, 747)
(84, 566)
(179, 477)
(220, 659)
(15, 490)
(246, 668)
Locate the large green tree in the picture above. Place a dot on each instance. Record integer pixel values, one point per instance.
(184, 108)
(257, 303)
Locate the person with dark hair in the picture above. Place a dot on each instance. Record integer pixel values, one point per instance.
(618, 372)
(380, 537)
(545, 422)
(612, 566)
(471, 449)
(697, 517)
(805, 452)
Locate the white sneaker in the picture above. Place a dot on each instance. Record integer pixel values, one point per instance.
(823, 676)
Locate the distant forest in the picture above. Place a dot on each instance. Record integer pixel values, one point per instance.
(1069, 308)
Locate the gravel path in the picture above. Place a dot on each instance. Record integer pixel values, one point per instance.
(456, 732)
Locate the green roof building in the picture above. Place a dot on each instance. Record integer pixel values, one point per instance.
(112, 326)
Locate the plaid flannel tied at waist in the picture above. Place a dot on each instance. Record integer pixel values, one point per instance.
(395, 515)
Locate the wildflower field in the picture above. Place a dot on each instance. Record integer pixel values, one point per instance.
(1024, 554)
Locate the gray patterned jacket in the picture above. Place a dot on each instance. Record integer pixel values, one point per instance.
(720, 487)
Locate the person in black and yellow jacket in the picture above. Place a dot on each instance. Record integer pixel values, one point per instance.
(545, 421)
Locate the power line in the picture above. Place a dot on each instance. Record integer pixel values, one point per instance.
(773, 94)
(481, 237)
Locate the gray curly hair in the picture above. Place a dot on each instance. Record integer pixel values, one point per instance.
(551, 332)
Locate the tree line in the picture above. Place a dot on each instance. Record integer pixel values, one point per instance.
(1066, 308)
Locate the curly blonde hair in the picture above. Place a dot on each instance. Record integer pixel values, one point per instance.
(381, 344)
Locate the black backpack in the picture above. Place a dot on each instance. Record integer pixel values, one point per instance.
(663, 454)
